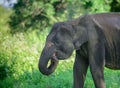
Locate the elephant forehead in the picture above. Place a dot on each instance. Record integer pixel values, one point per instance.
(49, 44)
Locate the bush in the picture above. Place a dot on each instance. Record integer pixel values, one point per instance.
(36, 14)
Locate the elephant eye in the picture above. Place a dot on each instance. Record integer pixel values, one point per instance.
(56, 41)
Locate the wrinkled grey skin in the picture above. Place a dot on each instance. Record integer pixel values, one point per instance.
(96, 39)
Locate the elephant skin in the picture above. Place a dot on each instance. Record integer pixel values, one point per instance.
(96, 39)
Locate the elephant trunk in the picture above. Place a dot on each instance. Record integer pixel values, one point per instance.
(46, 56)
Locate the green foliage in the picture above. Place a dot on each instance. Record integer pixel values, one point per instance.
(4, 67)
(36, 14)
(115, 6)
(19, 53)
(90, 6)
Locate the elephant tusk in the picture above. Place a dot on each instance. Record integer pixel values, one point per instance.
(54, 58)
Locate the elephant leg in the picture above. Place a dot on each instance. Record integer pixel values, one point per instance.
(97, 62)
(80, 70)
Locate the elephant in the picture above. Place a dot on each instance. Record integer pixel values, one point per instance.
(95, 39)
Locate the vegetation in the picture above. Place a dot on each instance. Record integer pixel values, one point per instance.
(23, 30)
(39, 14)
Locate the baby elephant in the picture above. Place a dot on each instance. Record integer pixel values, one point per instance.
(96, 39)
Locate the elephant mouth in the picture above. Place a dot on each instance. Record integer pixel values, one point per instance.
(53, 64)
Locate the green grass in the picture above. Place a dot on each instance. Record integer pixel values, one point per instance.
(112, 79)
(59, 79)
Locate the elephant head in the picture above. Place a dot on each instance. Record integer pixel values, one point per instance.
(60, 44)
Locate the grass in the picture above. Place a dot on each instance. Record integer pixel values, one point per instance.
(59, 79)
